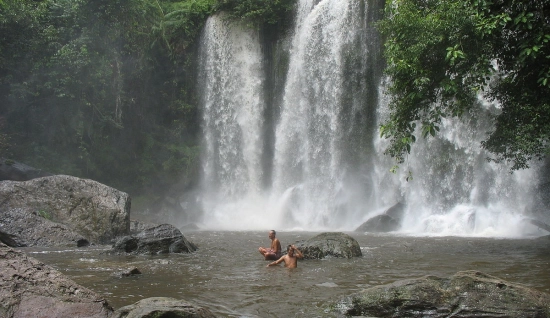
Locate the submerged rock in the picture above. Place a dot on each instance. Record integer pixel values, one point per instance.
(61, 210)
(127, 272)
(330, 244)
(160, 239)
(162, 307)
(465, 294)
(29, 288)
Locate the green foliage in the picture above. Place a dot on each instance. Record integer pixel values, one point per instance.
(101, 89)
(425, 49)
(45, 214)
(257, 12)
(179, 23)
(441, 54)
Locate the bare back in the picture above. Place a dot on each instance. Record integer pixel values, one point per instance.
(276, 246)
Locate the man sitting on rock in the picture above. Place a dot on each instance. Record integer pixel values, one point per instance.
(274, 252)
(290, 259)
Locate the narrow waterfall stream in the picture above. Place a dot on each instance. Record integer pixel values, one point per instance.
(326, 168)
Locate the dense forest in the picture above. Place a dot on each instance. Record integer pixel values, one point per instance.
(106, 89)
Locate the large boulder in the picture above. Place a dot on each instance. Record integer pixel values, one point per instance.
(465, 294)
(77, 208)
(13, 170)
(162, 307)
(330, 244)
(21, 227)
(159, 239)
(137, 226)
(388, 221)
(29, 288)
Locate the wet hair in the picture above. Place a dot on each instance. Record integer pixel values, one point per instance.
(274, 233)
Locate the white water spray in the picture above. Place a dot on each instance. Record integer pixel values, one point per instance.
(310, 136)
(232, 103)
(322, 177)
(454, 189)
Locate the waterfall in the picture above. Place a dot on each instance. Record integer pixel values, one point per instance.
(455, 190)
(311, 171)
(232, 106)
(326, 170)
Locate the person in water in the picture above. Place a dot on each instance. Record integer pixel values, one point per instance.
(290, 259)
(274, 252)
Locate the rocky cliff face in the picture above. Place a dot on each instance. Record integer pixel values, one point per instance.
(61, 210)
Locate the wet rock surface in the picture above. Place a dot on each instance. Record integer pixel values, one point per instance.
(159, 239)
(132, 271)
(465, 294)
(61, 210)
(29, 288)
(388, 221)
(162, 307)
(329, 244)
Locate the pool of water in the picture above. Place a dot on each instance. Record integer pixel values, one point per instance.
(229, 276)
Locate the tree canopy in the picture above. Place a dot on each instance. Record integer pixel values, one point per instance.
(442, 54)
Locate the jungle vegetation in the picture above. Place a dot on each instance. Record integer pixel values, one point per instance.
(442, 54)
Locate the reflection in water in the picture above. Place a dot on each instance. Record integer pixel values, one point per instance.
(229, 276)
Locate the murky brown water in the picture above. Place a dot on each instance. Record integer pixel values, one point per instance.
(228, 275)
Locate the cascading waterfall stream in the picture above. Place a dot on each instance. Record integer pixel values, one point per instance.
(232, 83)
(327, 170)
(454, 189)
(309, 167)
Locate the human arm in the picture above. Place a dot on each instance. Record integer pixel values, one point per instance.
(297, 252)
(277, 262)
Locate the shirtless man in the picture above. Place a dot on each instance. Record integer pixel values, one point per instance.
(274, 252)
(290, 259)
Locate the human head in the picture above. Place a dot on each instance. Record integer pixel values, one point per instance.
(272, 234)
(290, 250)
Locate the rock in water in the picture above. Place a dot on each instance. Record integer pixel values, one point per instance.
(160, 239)
(466, 294)
(162, 307)
(29, 288)
(379, 223)
(331, 244)
(61, 210)
(388, 221)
